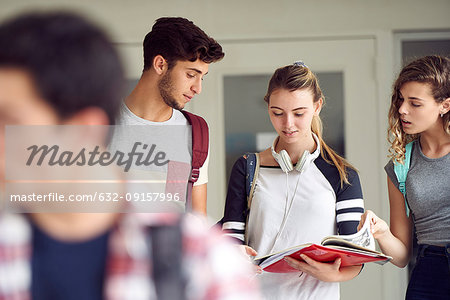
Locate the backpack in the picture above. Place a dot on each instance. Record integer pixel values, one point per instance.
(200, 144)
(401, 171)
(177, 172)
(251, 173)
(167, 239)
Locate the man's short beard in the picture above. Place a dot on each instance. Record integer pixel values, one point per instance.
(166, 89)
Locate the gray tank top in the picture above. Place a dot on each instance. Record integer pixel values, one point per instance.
(428, 195)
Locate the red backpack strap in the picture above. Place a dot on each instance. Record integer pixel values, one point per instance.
(200, 144)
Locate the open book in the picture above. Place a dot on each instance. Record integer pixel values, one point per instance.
(353, 249)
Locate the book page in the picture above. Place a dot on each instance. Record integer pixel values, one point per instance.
(362, 239)
(269, 258)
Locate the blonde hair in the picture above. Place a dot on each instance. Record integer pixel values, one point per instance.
(297, 77)
(433, 70)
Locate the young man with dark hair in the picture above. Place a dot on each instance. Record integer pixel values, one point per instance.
(177, 55)
(58, 69)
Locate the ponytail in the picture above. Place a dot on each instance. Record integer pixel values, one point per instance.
(328, 154)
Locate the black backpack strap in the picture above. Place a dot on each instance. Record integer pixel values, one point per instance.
(252, 172)
(167, 254)
(200, 144)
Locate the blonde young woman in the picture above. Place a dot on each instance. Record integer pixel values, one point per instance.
(419, 113)
(291, 204)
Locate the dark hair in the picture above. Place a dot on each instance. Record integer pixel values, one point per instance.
(179, 39)
(72, 62)
(433, 70)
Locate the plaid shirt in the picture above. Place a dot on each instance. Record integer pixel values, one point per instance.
(215, 268)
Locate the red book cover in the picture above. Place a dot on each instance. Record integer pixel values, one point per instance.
(349, 257)
(353, 249)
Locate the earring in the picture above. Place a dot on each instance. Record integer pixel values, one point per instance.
(442, 115)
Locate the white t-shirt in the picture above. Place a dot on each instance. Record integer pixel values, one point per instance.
(127, 117)
(312, 216)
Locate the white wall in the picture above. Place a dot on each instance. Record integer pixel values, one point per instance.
(240, 21)
(128, 21)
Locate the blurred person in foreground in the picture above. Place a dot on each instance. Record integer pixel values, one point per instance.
(59, 69)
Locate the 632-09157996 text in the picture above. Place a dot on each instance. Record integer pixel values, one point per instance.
(94, 197)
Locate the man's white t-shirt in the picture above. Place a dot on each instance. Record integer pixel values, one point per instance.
(127, 117)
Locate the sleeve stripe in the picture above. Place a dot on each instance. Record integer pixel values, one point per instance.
(234, 231)
(350, 210)
(348, 217)
(237, 236)
(349, 203)
(233, 225)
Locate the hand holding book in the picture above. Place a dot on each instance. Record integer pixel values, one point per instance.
(378, 227)
(354, 249)
(249, 252)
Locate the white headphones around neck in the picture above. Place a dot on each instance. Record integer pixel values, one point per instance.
(303, 162)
